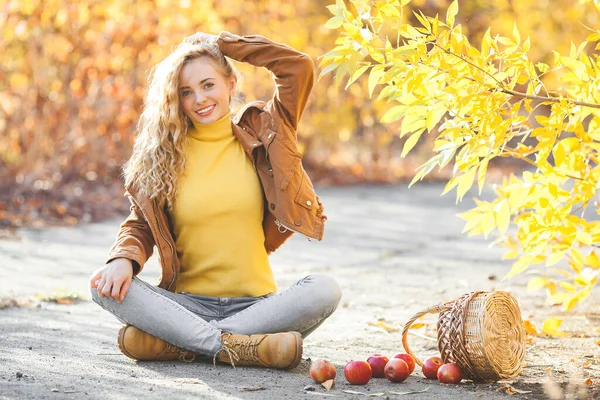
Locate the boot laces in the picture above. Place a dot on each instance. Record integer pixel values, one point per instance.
(184, 355)
(238, 349)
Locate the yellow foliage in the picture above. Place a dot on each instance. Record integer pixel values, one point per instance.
(551, 327)
(484, 97)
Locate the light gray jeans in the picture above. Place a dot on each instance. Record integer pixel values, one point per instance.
(195, 322)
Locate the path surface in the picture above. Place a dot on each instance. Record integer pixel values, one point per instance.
(394, 251)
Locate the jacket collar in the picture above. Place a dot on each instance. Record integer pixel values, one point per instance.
(246, 139)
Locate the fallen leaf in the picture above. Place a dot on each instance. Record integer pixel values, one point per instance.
(530, 328)
(529, 340)
(509, 390)
(251, 389)
(598, 342)
(328, 384)
(417, 326)
(551, 327)
(381, 323)
(548, 369)
(411, 392)
(588, 382)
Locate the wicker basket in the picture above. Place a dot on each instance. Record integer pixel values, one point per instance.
(482, 332)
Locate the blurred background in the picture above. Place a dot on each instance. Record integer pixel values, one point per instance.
(73, 77)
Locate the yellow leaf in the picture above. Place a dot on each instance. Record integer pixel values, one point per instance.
(393, 114)
(585, 238)
(554, 258)
(451, 13)
(434, 116)
(450, 185)
(569, 287)
(551, 327)
(411, 142)
(558, 298)
(530, 328)
(536, 283)
(503, 216)
(542, 67)
(559, 154)
(481, 174)
(381, 323)
(592, 260)
(576, 260)
(516, 34)
(374, 77)
(519, 266)
(359, 71)
(334, 22)
(466, 181)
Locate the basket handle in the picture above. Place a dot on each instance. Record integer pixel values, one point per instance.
(431, 310)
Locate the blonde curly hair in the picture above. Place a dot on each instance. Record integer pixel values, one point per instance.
(158, 159)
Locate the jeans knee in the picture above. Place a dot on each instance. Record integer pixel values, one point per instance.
(327, 290)
(97, 299)
(94, 294)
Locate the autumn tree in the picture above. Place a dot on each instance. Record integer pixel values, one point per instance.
(481, 103)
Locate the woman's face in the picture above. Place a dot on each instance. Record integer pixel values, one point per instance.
(204, 91)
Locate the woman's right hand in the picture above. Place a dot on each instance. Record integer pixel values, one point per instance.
(113, 279)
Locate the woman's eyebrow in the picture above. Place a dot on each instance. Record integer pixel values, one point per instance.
(201, 82)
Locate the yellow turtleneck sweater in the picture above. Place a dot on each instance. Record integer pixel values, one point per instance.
(218, 217)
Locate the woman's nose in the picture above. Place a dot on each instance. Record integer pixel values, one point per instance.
(200, 98)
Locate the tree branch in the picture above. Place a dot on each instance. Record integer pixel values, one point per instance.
(515, 93)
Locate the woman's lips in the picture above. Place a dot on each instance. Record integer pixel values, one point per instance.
(209, 110)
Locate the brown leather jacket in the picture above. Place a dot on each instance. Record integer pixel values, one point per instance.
(267, 132)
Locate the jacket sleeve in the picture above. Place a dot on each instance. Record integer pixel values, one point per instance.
(134, 240)
(293, 71)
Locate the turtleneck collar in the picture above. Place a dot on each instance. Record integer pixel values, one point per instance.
(218, 130)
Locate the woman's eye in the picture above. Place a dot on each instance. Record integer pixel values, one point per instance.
(186, 93)
(208, 85)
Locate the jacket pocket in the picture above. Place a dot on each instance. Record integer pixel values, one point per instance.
(306, 194)
(289, 174)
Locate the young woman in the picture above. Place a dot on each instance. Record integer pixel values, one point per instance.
(215, 197)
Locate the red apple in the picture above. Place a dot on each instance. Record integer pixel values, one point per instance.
(357, 372)
(322, 370)
(408, 360)
(431, 366)
(377, 363)
(396, 370)
(449, 373)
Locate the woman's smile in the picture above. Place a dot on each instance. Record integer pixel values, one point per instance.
(206, 111)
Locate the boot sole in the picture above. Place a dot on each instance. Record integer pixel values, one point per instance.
(298, 350)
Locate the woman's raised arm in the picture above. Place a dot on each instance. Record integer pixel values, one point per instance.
(293, 71)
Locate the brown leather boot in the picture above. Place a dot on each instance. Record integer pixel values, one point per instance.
(277, 350)
(139, 345)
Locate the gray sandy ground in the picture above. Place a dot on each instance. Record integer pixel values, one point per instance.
(394, 252)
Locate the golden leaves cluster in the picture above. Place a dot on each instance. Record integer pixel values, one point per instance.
(486, 102)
